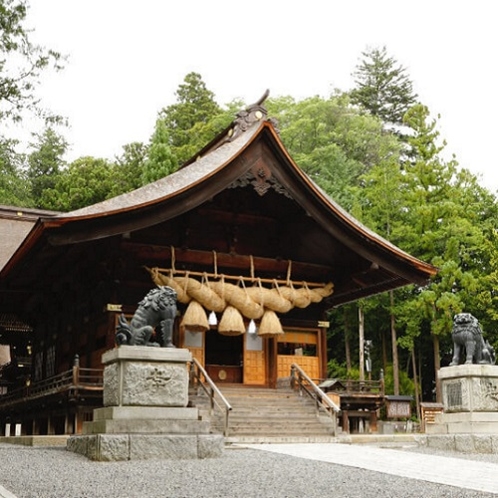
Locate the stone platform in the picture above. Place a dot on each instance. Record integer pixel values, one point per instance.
(145, 413)
(470, 400)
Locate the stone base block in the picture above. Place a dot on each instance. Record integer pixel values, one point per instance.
(145, 376)
(118, 447)
(146, 426)
(145, 413)
(465, 443)
(469, 388)
(464, 423)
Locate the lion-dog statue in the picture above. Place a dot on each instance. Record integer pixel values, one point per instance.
(467, 334)
(158, 307)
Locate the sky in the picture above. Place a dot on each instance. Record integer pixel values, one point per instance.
(126, 59)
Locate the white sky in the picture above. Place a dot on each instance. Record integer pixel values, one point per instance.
(127, 58)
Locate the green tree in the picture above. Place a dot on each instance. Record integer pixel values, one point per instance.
(439, 213)
(86, 181)
(160, 160)
(194, 119)
(45, 163)
(446, 222)
(21, 62)
(333, 142)
(383, 86)
(385, 90)
(129, 167)
(13, 184)
(21, 65)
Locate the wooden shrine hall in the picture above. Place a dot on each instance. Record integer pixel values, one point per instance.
(256, 251)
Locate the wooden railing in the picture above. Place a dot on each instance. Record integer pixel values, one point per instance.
(360, 386)
(301, 381)
(89, 379)
(200, 377)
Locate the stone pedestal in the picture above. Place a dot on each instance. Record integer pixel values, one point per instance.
(145, 413)
(470, 400)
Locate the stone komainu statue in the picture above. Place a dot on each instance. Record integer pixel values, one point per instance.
(467, 334)
(158, 307)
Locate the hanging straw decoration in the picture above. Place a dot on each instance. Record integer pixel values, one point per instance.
(195, 318)
(251, 302)
(270, 325)
(302, 298)
(237, 296)
(164, 280)
(231, 322)
(325, 291)
(202, 292)
(269, 298)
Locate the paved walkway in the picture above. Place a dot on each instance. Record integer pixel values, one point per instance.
(4, 493)
(466, 474)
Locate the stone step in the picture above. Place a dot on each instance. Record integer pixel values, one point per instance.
(240, 439)
(268, 415)
(277, 431)
(272, 416)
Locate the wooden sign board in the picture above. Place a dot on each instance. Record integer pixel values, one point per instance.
(399, 408)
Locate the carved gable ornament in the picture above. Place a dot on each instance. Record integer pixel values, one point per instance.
(261, 178)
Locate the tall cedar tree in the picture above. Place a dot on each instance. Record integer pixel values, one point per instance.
(195, 108)
(383, 87)
(45, 163)
(385, 90)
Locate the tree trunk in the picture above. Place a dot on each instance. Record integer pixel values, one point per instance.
(415, 381)
(361, 334)
(347, 345)
(384, 350)
(437, 366)
(394, 340)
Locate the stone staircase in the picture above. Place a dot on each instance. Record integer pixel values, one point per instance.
(263, 415)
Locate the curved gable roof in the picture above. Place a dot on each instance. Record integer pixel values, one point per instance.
(223, 162)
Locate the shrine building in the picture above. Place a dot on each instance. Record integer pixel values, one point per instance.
(255, 250)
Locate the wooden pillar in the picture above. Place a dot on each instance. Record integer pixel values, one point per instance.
(68, 422)
(345, 421)
(271, 350)
(78, 421)
(322, 351)
(50, 426)
(361, 337)
(373, 421)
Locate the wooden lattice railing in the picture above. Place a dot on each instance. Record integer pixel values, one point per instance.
(72, 381)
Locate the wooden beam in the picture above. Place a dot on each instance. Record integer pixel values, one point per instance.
(214, 262)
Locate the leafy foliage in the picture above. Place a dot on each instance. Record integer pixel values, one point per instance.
(129, 167)
(45, 163)
(193, 120)
(86, 181)
(14, 187)
(160, 160)
(21, 62)
(333, 142)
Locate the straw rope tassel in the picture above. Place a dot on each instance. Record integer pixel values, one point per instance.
(195, 318)
(231, 322)
(270, 325)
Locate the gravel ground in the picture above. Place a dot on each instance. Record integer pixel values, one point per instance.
(34, 472)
